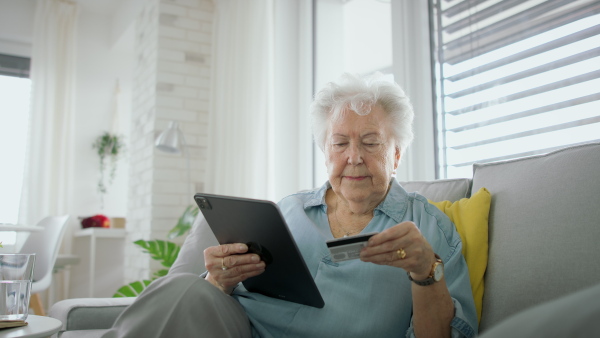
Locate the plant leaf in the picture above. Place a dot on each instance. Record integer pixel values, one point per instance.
(133, 289)
(160, 273)
(163, 251)
(185, 222)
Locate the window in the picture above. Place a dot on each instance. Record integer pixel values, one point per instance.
(513, 78)
(15, 87)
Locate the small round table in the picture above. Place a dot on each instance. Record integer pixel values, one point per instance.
(38, 326)
(22, 231)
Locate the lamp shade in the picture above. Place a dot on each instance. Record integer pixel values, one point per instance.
(170, 139)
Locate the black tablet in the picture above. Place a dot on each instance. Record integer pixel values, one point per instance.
(260, 224)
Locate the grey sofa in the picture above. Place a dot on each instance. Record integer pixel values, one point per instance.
(544, 229)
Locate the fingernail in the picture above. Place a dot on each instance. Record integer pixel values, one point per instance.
(255, 258)
(243, 247)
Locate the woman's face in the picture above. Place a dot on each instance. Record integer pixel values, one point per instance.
(361, 156)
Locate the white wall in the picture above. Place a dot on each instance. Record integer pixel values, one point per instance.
(100, 66)
(16, 26)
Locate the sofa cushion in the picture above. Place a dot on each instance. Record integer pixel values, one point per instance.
(470, 216)
(543, 228)
(88, 313)
(82, 334)
(440, 190)
(574, 316)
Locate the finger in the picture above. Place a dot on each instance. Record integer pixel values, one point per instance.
(231, 249)
(413, 245)
(390, 247)
(368, 253)
(240, 273)
(230, 277)
(225, 250)
(221, 251)
(397, 237)
(214, 256)
(387, 258)
(393, 233)
(239, 259)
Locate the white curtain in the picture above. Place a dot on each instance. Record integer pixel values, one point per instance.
(240, 152)
(48, 177)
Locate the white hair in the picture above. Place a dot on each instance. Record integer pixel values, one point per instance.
(359, 94)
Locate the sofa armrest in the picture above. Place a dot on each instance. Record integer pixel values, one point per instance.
(88, 313)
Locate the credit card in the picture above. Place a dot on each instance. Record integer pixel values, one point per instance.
(347, 248)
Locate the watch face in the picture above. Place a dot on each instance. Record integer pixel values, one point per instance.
(438, 272)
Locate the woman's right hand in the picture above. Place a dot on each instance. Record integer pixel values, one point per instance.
(228, 265)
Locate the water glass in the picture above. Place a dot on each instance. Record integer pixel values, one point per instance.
(16, 273)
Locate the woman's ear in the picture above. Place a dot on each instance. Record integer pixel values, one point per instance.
(397, 157)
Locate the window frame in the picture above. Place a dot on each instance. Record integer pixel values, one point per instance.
(16, 66)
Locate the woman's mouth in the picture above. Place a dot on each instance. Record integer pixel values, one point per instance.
(355, 178)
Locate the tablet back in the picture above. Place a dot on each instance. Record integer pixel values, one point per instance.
(242, 220)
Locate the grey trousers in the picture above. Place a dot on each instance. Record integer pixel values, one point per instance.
(182, 305)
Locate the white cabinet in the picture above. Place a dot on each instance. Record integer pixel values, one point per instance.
(100, 272)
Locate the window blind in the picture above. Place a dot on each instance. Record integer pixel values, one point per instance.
(513, 78)
(14, 66)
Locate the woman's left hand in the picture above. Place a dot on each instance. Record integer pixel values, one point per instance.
(402, 240)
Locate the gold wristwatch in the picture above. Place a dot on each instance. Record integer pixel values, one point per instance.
(436, 274)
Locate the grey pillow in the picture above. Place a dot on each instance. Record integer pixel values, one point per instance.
(440, 190)
(575, 315)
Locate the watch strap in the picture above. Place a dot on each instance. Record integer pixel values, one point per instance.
(424, 282)
(429, 280)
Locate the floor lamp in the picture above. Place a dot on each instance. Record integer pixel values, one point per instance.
(172, 141)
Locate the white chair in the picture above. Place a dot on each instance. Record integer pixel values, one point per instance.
(45, 245)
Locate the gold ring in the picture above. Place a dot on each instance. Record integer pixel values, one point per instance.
(223, 267)
(401, 253)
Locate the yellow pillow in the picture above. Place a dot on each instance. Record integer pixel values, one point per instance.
(470, 216)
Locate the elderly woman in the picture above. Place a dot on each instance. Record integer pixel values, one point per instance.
(411, 279)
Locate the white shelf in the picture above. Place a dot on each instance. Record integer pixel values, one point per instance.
(101, 233)
(101, 270)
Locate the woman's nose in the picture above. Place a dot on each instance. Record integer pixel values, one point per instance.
(354, 155)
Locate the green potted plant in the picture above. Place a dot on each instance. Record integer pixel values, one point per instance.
(109, 147)
(165, 252)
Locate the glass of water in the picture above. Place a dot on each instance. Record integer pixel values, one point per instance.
(16, 273)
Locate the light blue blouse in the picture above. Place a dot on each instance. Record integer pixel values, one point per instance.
(361, 299)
